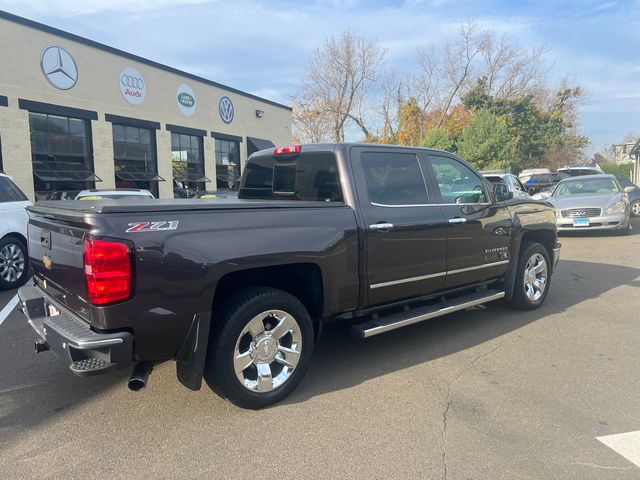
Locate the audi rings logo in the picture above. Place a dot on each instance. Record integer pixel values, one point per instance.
(134, 82)
(225, 107)
(132, 86)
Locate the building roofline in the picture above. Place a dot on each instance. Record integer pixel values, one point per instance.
(101, 46)
(635, 150)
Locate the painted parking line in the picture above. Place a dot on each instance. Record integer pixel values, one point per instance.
(625, 444)
(8, 308)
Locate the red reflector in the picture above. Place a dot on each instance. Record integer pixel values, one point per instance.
(287, 149)
(107, 270)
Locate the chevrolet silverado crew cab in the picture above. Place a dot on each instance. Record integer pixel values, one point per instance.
(237, 292)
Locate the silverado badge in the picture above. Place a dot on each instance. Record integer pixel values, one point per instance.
(46, 261)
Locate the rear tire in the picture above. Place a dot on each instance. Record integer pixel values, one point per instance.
(14, 263)
(533, 277)
(260, 345)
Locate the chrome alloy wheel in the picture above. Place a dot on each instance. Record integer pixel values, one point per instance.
(535, 277)
(11, 263)
(635, 209)
(267, 351)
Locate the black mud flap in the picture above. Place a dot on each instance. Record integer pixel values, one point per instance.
(193, 353)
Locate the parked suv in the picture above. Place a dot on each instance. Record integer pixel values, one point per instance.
(14, 261)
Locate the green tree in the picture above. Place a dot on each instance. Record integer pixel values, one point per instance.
(440, 139)
(486, 142)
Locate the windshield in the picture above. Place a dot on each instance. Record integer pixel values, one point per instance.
(587, 187)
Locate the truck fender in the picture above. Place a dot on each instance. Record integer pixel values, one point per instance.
(509, 281)
(191, 357)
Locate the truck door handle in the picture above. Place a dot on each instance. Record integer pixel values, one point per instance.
(457, 220)
(381, 226)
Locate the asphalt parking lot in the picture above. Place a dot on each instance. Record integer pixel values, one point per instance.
(483, 394)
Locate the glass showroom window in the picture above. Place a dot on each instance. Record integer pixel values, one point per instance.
(227, 164)
(187, 159)
(136, 165)
(61, 156)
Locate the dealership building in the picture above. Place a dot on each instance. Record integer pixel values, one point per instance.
(77, 114)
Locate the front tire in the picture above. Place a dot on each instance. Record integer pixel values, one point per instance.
(14, 263)
(635, 209)
(533, 277)
(260, 346)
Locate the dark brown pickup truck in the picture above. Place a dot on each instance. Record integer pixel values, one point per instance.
(237, 291)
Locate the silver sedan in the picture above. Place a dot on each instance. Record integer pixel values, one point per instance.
(594, 202)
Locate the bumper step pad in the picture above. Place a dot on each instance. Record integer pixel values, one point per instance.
(91, 366)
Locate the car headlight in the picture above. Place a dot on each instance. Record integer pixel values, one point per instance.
(618, 207)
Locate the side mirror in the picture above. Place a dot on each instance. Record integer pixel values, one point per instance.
(502, 192)
(629, 189)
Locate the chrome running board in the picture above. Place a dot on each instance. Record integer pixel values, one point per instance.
(379, 325)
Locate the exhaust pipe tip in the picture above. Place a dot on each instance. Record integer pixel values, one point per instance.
(139, 376)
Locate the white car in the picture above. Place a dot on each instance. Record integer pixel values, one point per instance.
(14, 259)
(115, 194)
(513, 183)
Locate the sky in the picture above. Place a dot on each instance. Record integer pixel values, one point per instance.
(261, 46)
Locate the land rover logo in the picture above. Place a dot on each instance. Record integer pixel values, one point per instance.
(226, 110)
(186, 100)
(132, 86)
(59, 67)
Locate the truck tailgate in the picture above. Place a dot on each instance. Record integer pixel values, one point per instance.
(56, 251)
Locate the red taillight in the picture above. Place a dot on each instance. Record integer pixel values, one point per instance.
(287, 149)
(107, 270)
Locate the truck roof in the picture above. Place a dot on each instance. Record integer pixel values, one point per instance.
(331, 146)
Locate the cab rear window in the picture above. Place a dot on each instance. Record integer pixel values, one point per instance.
(306, 177)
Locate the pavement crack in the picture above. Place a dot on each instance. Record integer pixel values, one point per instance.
(450, 386)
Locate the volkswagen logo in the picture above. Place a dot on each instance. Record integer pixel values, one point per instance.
(59, 67)
(132, 86)
(226, 110)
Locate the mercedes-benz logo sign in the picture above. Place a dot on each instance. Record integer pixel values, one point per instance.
(132, 86)
(59, 67)
(226, 110)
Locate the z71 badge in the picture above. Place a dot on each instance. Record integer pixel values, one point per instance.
(152, 226)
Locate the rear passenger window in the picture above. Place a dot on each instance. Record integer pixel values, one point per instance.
(394, 179)
(9, 192)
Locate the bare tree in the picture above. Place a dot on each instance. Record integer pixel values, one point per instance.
(310, 122)
(448, 73)
(458, 62)
(339, 75)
